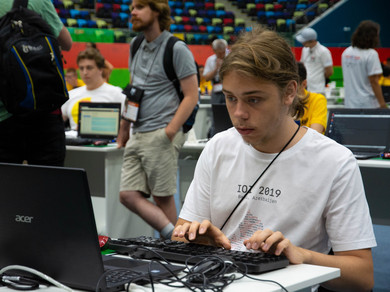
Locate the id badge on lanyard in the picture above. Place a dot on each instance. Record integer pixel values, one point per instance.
(132, 104)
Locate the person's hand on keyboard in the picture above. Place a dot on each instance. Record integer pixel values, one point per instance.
(275, 243)
(202, 233)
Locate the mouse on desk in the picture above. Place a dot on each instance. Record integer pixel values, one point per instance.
(100, 143)
(207, 269)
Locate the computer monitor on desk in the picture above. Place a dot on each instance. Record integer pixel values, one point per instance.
(366, 132)
(221, 118)
(99, 120)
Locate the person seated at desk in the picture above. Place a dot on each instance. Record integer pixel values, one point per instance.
(90, 63)
(205, 86)
(268, 184)
(72, 80)
(316, 111)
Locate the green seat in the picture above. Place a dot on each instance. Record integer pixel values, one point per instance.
(216, 21)
(192, 12)
(101, 23)
(239, 22)
(199, 20)
(71, 22)
(269, 7)
(219, 6)
(228, 30)
(178, 19)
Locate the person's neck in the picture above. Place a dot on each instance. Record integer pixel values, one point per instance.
(152, 32)
(275, 144)
(95, 85)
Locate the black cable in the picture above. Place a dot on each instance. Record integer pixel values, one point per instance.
(250, 188)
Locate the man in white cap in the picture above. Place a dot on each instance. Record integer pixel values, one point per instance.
(317, 60)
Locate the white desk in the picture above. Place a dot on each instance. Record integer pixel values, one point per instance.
(293, 278)
(103, 166)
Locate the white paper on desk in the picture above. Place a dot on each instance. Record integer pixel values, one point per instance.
(71, 134)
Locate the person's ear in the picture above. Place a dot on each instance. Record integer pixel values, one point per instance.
(291, 92)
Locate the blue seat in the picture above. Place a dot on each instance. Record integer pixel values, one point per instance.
(189, 5)
(82, 22)
(220, 13)
(218, 29)
(91, 23)
(211, 13)
(173, 27)
(210, 29)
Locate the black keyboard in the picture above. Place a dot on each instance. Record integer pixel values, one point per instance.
(180, 252)
(78, 141)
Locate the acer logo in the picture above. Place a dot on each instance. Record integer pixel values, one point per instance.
(23, 219)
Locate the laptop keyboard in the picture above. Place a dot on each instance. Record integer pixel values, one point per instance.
(121, 277)
(181, 252)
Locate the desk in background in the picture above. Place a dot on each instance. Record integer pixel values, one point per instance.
(103, 166)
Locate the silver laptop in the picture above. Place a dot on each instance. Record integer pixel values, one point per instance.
(366, 132)
(47, 223)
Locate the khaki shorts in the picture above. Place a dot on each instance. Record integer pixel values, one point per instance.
(150, 163)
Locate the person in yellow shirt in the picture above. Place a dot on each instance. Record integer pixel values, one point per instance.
(72, 80)
(205, 86)
(316, 112)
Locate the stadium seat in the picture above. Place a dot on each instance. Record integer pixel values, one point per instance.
(199, 20)
(84, 14)
(82, 22)
(281, 25)
(178, 19)
(209, 6)
(216, 21)
(240, 22)
(220, 13)
(269, 7)
(210, 29)
(228, 30)
(188, 28)
(219, 6)
(192, 12)
(228, 21)
(71, 22)
(64, 13)
(74, 13)
(190, 38)
(186, 20)
(189, 5)
(260, 6)
(322, 7)
(101, 23)
(92, 23)
(68, 4)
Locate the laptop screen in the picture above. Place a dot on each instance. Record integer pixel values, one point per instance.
(99, 120)
(360, 130)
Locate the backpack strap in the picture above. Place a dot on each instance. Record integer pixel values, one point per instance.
(135, 45)
(20, 3)
(168, 65)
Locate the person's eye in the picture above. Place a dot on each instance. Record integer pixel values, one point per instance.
(230, 98)
(254, 100)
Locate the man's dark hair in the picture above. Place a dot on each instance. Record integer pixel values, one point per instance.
(366, 35)
(301, 72)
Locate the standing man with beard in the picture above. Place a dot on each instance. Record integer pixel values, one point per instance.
(151, 153)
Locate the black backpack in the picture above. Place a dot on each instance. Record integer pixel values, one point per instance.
(170, 72)
(31, 68)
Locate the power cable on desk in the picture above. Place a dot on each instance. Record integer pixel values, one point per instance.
(25, 283)
(200, 282)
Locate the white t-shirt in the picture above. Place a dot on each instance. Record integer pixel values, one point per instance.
(358, 65)
(104, 93)
(313, 193)
(316, 59)
(210, 66)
